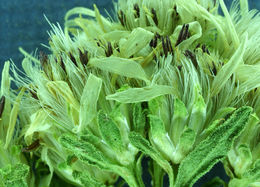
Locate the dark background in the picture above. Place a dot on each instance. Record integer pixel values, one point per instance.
(22, 24)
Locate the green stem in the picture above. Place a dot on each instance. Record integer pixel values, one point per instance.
(138, 171)
(128, 175)
(158, 175)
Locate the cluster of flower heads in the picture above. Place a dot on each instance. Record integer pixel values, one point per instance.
(172, 81)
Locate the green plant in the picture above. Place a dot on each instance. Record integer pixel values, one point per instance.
(171, 80)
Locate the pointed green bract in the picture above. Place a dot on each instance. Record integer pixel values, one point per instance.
(180, 115)
(120, 66)
(244, 161)
(13, 118)
(213, 149)
(254, 173)
(88, 101)
(250, 178)
(198, 114)
(135, 95)
(136, 41)
(185, 145)
(62, 88)
(229, 68)
(160, 137)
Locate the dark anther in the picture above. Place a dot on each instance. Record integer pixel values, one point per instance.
(155, 19)
(83, 57)
(175, 10)
(121, 17)
(137, 11)
(72, 58)
(44, 62)
(98, 44)
(179, 67)
(109, 51)
(153, 42)
(232, 77)
(2, 105)
(62, 64)
(161, 54)
(214, 69)
(144, 105)
(32, 147)
(43, 58)
(205, 49)
(169, 45)
(166, 45)
(165, 50)
(192, 57)
(33, 94)
(184, 34)
(197, 46)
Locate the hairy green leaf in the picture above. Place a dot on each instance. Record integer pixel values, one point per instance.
(110, 132)
(14, 176)
(84, 151)
(86, 179)
(139, 118)
(213, 149)
(89, 154)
